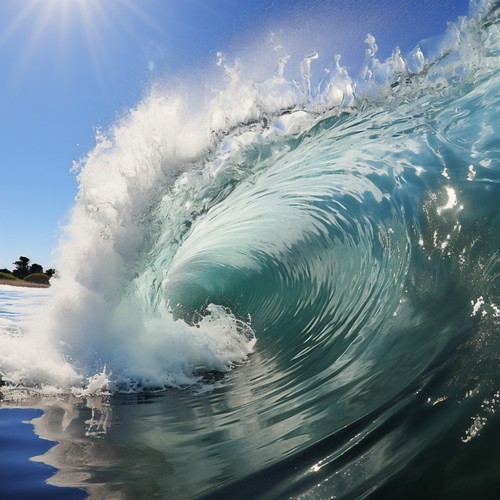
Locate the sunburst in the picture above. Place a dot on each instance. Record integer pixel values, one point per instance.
(96, 22)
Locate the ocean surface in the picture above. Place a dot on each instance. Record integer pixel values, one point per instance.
(286, 289)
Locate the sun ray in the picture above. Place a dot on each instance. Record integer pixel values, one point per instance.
(16, 22)
(33, 35)
(57, 31)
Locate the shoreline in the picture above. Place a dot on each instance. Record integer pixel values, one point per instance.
(20, 283)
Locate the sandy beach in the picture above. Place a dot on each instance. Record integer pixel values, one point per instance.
(20, 283)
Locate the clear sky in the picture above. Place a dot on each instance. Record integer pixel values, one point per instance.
(68, 67)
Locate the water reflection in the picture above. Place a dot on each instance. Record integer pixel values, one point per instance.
(177, 444)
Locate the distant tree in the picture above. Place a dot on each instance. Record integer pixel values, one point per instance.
(22, 267)
(6, 271)
(35, 268)
(50, 272)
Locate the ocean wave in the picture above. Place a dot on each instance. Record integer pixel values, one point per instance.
(306, 270)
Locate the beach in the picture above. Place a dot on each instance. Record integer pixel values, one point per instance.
(25, 284)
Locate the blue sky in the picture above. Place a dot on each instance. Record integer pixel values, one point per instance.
(68, 67)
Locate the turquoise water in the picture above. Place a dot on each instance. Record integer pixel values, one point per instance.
(293, 292)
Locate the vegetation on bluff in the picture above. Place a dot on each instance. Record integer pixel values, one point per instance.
(7, 275)
(39, 278)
